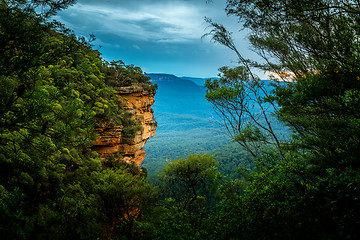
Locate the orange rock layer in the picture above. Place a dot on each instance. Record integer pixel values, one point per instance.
(137, 99)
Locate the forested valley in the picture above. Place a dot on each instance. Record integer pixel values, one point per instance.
(299, 184)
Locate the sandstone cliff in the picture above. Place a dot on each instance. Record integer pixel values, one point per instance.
(137, 100)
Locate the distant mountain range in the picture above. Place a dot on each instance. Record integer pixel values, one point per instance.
(169, 78)
(198, 81)
(180, 96)
(186, 122)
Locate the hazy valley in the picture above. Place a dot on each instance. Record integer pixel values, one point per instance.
(187, 124)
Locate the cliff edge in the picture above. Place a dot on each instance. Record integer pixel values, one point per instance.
(137, 99)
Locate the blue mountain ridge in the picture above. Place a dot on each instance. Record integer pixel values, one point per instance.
(198, 81)
(179, 96)
(186, 122)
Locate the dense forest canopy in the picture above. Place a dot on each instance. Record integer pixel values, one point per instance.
(54, 89)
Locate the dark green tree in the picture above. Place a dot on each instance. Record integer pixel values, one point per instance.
(43, 8)
(300, 37)
(295, 39)
(188, 187)
(53, 91)
(189, 180)
(304, 188)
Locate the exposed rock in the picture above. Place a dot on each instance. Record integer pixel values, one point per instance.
(137, 100)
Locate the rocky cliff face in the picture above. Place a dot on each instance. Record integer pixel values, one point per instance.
(137, 100)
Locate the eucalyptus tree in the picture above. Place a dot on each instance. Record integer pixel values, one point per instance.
(295, 39)
(304, 189)
(43, 8)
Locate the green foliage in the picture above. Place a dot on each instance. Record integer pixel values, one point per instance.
(119, 74)
(188, 180)
(304, 188)
(14, 223)
(301, 36)
(188, 188)
(53, 91)
(322, 108)
(231, 157)
(48, 7)
(128, 132)
(285, 200)
(175, 223)
(230, 86)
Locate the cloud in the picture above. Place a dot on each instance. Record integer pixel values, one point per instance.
(155, 21)
(157, 35)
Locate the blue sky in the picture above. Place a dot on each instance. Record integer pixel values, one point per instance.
(160, 36)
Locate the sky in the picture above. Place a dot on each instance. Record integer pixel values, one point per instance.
(160, 36)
